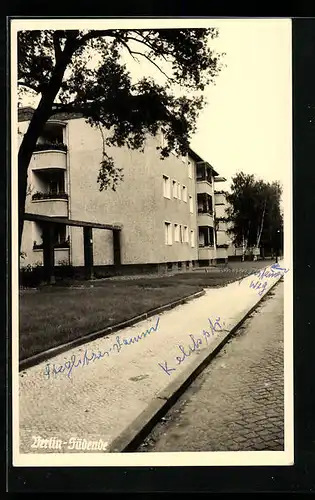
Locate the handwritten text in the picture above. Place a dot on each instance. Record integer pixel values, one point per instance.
(87, 358)
(273, 271)
(196, 343)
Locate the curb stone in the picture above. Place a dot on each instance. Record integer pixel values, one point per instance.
(43, 356)
(134, 434)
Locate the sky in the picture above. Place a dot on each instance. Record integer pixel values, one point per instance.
(246, 124)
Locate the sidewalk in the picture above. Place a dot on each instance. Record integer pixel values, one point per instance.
(97, 391)
(240, 393)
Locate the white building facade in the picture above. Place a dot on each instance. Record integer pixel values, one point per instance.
(165, 208)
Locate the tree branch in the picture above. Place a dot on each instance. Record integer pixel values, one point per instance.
(95, 34)
(128, 48)
(114, 34)
(154, 64)
(145, 41)
(133, 53)
(57, 47)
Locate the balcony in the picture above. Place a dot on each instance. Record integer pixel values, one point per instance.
(204, 178)
(51, 146)
(206, 253)
(205, 219)
(221, 225)
(50, 204)
(220, 199)
(218, 178)
(201, 176)
(203, 187)
(222, 252)
(205, 209)
(47, 156)
(49, 196)
(202, 210)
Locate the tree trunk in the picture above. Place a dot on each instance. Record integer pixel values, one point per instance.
(36, 126)
(243, 248)
(26, 150)
(261, 226)
(245, 242)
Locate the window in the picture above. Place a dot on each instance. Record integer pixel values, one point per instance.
(60, 235)
(191, 205)
(168, 233)
(179, 191)
(166, 187)
(190, 170)
(176, 232)
(185, 234)
(181, 233)
(185, 194)
(52, 134)
(56, 184)
(174, 189)
(192, 238)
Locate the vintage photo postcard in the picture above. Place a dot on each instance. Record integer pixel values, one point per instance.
(151, 242)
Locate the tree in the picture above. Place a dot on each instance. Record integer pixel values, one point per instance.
(57, 66)
(254, 212)
(272, 235)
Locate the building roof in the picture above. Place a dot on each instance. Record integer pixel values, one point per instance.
(25, 114)
(198, 158)
(220, 179)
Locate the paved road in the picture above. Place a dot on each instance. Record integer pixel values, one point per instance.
(237, 401)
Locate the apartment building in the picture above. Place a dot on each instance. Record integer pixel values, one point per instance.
(155, 205)
(165, 209)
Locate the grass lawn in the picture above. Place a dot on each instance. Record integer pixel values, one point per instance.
(50, 316)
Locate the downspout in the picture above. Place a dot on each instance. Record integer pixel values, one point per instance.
(70, 228)
(213, 218)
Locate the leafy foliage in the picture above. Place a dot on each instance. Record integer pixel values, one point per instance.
(255, 212)
(83, 71)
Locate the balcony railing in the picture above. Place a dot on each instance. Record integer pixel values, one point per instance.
(49, 196)
(205, 211)
(203, 177)
(51, 146)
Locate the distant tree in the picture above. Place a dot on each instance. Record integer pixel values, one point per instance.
(254, 212)
(54, 64)
(272, 234)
